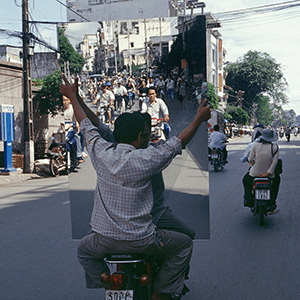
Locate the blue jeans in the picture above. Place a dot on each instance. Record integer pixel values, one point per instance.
(171, 94)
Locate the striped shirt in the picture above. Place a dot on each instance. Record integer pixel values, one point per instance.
(123, 198)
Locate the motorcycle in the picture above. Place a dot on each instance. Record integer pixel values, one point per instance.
(217, 159)
(142, 98)
(160, 93)
(288, 136)
(102, 112)
(120, 104)
(262, 196)
(59, 156)
(281, 134)
(159, 130)
(131, 276)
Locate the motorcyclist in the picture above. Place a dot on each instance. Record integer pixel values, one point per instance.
(155, 107)
(263, 159)
(160, 86)
(107, 97)
(288, 133)
(142, 92)
(121, 218)
(121, 93)
(217, 140)
(71, 128)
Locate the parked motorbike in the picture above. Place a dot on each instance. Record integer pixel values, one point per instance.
(59, 156)
(281, 134)
(159, 130)
(262, 196)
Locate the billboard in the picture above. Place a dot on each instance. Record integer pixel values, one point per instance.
(111, 10)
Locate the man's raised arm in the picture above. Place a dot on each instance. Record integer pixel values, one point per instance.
(203, 114)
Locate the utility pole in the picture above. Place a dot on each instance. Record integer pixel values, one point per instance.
(129, 53)
(27, 95)
(146, 47)
(160, 40)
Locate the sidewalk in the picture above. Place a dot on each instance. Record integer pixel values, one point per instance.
(12, 178)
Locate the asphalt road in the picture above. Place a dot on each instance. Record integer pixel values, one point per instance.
(243, 260)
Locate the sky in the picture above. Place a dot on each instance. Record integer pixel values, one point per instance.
(276, 33)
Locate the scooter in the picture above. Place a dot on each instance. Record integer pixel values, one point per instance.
(262, 197)
(216, 158)
(120, 103)
(160, 130)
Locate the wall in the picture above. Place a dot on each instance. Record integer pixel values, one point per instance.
(11, 83)
(43, 64)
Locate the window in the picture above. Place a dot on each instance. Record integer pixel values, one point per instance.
(213, 55)
(123, 28)
(132, 45)
(133, 57)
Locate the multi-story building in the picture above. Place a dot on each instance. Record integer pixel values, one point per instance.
(215, 53)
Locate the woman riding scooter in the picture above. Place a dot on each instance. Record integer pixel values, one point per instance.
(263, 159)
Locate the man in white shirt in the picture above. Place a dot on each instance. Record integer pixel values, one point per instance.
(107, 97)
(155, 107)
(170, 87)
(216, 140)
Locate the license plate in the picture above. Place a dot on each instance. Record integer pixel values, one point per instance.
(214, 156)
(118, 295)
(262, 194)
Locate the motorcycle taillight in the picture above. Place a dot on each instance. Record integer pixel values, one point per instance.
(105, 278)
(144, 280)
(117, 280)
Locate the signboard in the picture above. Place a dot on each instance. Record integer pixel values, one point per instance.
(183, 63)
(7, 132)
(110, 10)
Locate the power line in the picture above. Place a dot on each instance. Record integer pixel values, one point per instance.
(75, 12)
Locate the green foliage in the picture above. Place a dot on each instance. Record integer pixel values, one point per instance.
(257, 74)
(68, 53)
(49, 99)
(264, 113)
(212, 97)
(239, 115)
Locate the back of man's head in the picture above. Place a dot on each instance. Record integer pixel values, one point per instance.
(216, 128)
(128, 126)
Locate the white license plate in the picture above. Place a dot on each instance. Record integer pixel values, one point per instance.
(118, 295)
(262, 194)
(214, 156)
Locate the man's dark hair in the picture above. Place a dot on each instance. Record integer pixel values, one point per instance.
(128, 126)
(216, 128)
(147, 119)
(152, 87)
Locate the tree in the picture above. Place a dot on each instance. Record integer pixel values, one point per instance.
(49, 99)
(68, 53)
(264, 113)
(239, 115)
(257, 74)
(212, 97)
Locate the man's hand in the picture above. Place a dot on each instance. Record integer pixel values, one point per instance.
(204, 111)
(167, 118)
(67, 89)
(203, 114)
